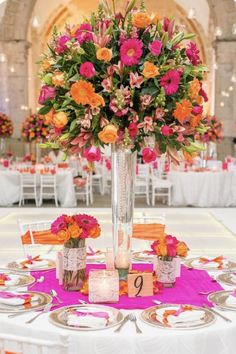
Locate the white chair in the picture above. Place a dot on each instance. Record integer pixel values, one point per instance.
(28, 188)
(160, 187)
(142, 181)
(30, 227)
(25, 345)
(48, 188)
(85, 190)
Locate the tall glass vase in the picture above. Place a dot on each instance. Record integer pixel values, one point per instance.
(123, 183)
(2, 146)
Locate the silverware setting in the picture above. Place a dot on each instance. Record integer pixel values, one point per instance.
(45, 310)
(133, 318)
(125, 320)
(157, 302)
(217, 313)
(39, 280)
(53, 293)
(20, 313)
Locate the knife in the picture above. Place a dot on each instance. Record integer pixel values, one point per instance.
(122, 324)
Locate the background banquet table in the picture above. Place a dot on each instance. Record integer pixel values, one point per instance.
(203, 189)
(10, 188)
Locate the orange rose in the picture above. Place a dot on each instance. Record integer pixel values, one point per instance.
(182, 249)
(74, 230)
(59, 120)
(81, 91)
(63, 235)
(150, 70)
(47, 63)
(95, 232)
(141, 20)
(162, 249)
(73, 30)
(108, 134)
(104, 54)
(58, 79)
(48, 117)
(96, 100)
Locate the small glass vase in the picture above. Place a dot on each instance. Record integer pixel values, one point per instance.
(166, 271)
(74, 265)
(123, 182)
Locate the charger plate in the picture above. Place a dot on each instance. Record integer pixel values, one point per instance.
(195, 263)
(20, 280)
(227, 278)
(16, 266)
(149, 317)
(59, 317)
(42, 299)
(219, 298)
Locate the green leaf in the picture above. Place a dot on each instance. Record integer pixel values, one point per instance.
(44, 110)
(73, 125)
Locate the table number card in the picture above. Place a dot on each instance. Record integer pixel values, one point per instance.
(140, 284)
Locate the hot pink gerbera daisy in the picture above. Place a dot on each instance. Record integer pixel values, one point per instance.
(58, 225)
(86, 222)
(131, 51)
(170, 82)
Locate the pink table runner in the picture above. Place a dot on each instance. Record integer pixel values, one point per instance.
(185, 291)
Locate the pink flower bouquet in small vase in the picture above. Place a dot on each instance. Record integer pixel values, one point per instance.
(167, 249)
(73, 230)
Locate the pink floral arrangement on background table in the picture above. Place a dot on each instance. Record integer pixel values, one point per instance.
(130, 79)
(73, 231)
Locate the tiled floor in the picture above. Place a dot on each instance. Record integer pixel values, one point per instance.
(206, 231)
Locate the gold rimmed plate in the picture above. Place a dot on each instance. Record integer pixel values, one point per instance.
(86, 317)
(18, 267)
(199, 317)
(196, 264)
(39, 301)
(143, 256)
(227, 278)
(223, 299)
(16, 280)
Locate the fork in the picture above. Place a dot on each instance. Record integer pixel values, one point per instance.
(46, 309)
(126, 319)
(133, 318)
(217, 313)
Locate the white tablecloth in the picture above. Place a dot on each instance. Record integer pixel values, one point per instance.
(203, 189)
(10, 188)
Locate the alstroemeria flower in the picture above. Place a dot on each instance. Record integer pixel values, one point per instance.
(147, 124)
(136, 80)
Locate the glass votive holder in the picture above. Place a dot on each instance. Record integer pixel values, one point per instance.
(103, 286)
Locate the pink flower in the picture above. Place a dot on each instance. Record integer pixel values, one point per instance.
(145, 101)
(108, 164)
(192, 53)
(107, 84)
(61, 45)
(119, 112)
(133, 130)
(87, 70)
(203, 94)
(82, 139)
(136, 80)
(170, 81)
(166, 130)
(46, 93)
(103, 122)
(58, 225)
(180, 138)
(92, 154)
(147, 124)
(168, 26)
(86, 222)
(149, 155)
(171, 243)
(155, 47)
(85, 123)
(131, 51)
(84, 33)
(197, 110)
(110, 70)
(159, 114)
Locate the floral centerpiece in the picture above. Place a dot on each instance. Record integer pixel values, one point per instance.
(73, 231)
(34, 128)
(129, 79)
(6, 126)
(167, 249)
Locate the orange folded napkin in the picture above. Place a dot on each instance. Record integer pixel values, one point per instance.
(148, 231)
(44, 237)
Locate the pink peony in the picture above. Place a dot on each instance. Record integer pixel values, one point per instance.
(149, 155)
(170, 81)
(192, 53)
(197, 110)
(84, 33)
(46, 93)
(133, 130)
(61, 45)
(87, 70)
(131, 51)
(155, 47)
(166, 130)
(92, 154)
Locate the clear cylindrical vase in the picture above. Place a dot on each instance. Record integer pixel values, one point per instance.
(123, 184)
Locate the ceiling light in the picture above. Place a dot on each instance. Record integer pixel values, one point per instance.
(233, 78)
(2, 57)
(12, 69)
(222, 104)
(231, 88)
(35, 22)
(234, 29)
(191, 13)
(218, 31)
(7, 99)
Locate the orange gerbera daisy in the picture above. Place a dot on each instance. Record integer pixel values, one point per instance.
(183, 110)
(194, 89)
(195, 120)
(81, 91)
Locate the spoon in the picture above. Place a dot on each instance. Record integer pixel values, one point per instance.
(53, 293)
(39, 280)
(157, 302)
